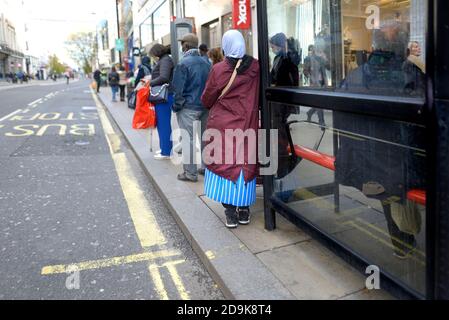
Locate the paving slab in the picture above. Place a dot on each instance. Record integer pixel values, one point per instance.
(318, 274)
(254, 235)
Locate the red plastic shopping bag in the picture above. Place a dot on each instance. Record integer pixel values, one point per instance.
(145, 114)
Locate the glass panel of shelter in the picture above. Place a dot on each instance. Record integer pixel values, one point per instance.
(358, 178)
(358, 46)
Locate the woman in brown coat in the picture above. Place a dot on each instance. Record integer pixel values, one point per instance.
(232, 95)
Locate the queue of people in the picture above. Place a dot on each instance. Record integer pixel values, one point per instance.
(202, 88)
(219, 89)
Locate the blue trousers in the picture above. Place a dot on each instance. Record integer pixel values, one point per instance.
(163, 124)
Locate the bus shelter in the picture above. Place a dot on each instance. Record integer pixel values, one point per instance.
(358, 93)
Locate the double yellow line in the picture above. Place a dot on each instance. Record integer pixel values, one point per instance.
(147, 229)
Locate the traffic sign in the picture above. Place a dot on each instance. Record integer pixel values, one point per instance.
(120, 45)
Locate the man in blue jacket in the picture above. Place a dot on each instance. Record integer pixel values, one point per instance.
(189, 81)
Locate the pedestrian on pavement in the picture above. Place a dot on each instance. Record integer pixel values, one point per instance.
(20, 76)
(232, 95)
(122, 82)
(67, 76)
(216, 55)
(163, 75)
(144, 70)
(113, 82)
(189, 81)
(97, 78)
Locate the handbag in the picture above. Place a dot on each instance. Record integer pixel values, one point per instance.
(132, 100)
(158, 94)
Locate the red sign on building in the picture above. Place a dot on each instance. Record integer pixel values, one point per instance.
(241, 14)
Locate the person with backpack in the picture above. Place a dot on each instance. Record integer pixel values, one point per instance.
(97, 78)
(114, 82)
(144, 70)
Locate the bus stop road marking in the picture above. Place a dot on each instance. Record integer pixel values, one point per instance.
(10, 115)
(110, 262)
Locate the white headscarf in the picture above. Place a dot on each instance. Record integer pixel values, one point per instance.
(234, 44)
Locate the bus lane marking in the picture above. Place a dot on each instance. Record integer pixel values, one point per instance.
(147, 228)
(10, 115)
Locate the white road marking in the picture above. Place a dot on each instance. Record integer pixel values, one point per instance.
(11, 114)
(35, 101)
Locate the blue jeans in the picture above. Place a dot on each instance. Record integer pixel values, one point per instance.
(114, 92)
(163, 124)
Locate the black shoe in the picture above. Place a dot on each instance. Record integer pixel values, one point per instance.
(231, 218)
(184, 177)
(201, 171)
(244, 215)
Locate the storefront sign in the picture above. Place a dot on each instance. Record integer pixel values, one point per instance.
(241, 14)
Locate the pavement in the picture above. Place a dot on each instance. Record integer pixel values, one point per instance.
(78, 217)
(248, 262)
(4, 85)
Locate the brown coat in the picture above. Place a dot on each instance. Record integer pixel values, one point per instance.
(237, 109)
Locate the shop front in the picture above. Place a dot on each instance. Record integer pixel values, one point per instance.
(214, 17)
(354, 90)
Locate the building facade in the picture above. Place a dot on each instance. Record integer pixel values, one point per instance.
(12, 37)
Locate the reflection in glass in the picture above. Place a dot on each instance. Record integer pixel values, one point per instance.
(358, 46)
(357, 179)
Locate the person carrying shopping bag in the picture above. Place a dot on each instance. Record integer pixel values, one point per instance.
(161, 79)
(232, 95)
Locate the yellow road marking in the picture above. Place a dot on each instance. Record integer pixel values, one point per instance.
(355, 225)
(147, 228)
(372, 226)
(177, 280)
(157, 280)
(105, 263)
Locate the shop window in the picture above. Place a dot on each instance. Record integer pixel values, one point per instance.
(161, 23)
(360, 180)
(146, 32)
(210, 34)
(357, 46)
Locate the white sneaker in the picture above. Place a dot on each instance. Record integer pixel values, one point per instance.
(158, 152)
(161, 157)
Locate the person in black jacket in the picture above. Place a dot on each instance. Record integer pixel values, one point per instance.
(113, 82)
(163, 75)
(284, 73)
(97, 78)
(144, 70)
